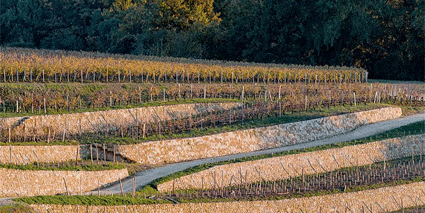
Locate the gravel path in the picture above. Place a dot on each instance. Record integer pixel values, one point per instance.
(145, 177)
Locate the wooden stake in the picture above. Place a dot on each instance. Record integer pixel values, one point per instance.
(66, 187)
(122, 192)
(91, 154)
(134, 187)
(104, 152)
(10, 149)
(76, 156)
(97, 155)
(114, 153)
(144, 130)
(44, 103)
(48, 137)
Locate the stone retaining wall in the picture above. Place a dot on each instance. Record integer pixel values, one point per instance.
(29, 154)
(15, 183)
(283, 167)
(177, 150)
(75, 123)
(374, 199)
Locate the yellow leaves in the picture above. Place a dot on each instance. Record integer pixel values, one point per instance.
(14, 59)
(119, 5)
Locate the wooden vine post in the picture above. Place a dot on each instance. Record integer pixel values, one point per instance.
(133, 193)
(114, 159)
(91, 154)
(10, 149)
(44, 103)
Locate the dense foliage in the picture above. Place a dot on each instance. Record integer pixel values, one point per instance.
(385, 37)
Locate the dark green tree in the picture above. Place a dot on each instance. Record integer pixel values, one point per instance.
(22, 23)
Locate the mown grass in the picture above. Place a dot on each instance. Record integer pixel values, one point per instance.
(65, 166)
(16, 208)
(109, 200)
(411, 129)
(84, 165)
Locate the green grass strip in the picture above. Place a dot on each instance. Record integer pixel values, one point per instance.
(16, 208)
(109, 200)
(64, 167)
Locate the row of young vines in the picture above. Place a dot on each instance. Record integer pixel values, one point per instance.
(45, 99)
(335, 181)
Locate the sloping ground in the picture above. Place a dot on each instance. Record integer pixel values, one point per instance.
(15, 183)
(75, 123)
(146, 177)
(381, 200)
(177, 150)
(279, 168)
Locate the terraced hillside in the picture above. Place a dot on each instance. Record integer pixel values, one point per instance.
(88, 132)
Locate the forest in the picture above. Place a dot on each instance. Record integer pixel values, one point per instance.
(385, 37)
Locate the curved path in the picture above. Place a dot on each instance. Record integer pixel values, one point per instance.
(145, 177)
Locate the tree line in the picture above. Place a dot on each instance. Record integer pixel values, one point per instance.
(386, 37)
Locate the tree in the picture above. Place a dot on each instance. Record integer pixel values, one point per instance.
(22, 23)
(181, 14)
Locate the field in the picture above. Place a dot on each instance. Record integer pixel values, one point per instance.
(80, 115)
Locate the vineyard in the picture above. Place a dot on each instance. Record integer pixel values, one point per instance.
(344, 180)
(94, 112)
(341, 182)
(257, 101)
(27, 65)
